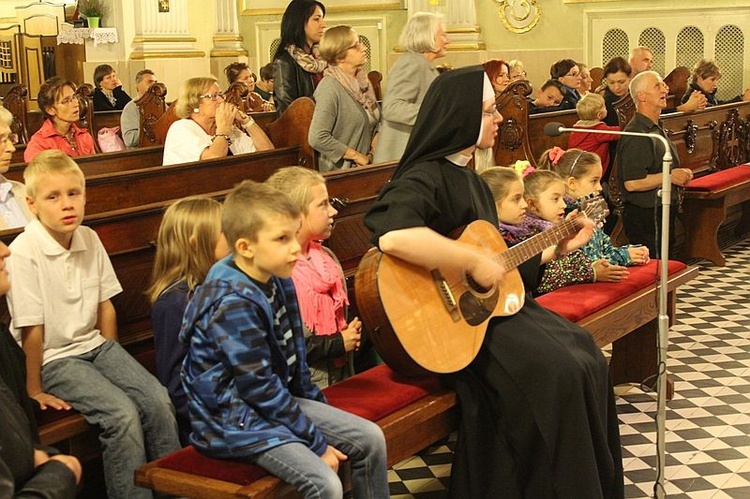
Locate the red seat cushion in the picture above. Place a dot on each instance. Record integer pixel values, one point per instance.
(721, 179)
(373, 395)
(581, 300)
(189, 460)
(386, 392)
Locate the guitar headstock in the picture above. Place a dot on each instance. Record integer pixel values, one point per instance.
(594, 206)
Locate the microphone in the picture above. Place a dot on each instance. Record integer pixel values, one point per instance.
(555, 129)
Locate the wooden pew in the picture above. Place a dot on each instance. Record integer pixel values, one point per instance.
(151, 106)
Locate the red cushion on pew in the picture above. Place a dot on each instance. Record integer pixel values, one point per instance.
(721, 179)
(191, 461)
(386, 392)
(581, 300)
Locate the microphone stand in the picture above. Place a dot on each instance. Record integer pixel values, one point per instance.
(555, 129)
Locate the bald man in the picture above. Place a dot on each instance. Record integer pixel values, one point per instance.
(640, 163)
(642, 59)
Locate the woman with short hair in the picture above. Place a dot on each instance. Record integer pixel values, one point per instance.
(108, 95)
(567, 72)
(58, 102)
(423, 40)
(706, 77)
(208, 128)
(346, 116)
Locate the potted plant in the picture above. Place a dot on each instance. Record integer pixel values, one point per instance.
(93, 10)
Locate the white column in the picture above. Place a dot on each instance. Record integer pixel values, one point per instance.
(162, 34)
(227, 41)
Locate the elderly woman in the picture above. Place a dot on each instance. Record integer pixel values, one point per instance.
(616, 76)
(59, 103)
(208, 128)
(240, 72)
(706, 76)
(13, 209)
(586, 79)
(498, 72)
(343, 128)
(567, 72)
(108, 95)
(424, 40)
(297, 67)
(517, 71)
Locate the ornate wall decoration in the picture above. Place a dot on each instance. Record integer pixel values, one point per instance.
(519, 16)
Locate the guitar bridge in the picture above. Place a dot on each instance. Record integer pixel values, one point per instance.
(446, 295)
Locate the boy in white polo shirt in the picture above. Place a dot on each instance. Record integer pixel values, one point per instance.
(62, 314)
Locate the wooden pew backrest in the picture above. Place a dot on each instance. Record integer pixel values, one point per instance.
(292, 128)
(512, 141)
(151, 106)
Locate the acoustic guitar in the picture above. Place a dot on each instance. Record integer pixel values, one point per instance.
(430, 321)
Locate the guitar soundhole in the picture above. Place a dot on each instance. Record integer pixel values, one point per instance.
(476, 286)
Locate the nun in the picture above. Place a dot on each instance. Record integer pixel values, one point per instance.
(538, 415)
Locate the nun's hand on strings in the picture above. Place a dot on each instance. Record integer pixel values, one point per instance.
(486, 271)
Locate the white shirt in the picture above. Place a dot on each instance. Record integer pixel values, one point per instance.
(10, 206)
(60, 289)
(186, 141)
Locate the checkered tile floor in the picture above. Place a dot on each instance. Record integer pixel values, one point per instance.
(708, 421)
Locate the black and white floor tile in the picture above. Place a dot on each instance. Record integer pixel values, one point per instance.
(708, 421)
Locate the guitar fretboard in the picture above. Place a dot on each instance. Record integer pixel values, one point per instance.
(525, 250)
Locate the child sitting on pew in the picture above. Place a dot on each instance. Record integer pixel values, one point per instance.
(548, 98)
(591, 111)
(249, 390)
(582, 174)
(188, 244)
(319, 279)
(63, 316)
(543, 192)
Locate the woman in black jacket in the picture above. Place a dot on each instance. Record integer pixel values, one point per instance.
(297, 68)
(706, 76)
(108, 95)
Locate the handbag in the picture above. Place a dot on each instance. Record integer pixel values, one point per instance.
(109, 140)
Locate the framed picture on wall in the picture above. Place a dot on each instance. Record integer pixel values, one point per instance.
(163, 5)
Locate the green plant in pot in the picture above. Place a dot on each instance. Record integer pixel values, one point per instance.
(94, 10)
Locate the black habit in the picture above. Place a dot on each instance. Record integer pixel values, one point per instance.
(538, 416)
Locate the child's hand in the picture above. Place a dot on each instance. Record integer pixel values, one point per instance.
(47, 400)
(580, 238)
(332, 457)
(638, 255)
(352, 335)
(606, 272)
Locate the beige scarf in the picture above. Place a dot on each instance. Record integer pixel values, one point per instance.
(359, 88)
(309, 62)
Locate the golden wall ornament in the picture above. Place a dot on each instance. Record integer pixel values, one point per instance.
(519, 16)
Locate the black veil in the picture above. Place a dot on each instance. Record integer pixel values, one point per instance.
(449, 118)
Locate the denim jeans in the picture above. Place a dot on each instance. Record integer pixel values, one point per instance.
(113, 391)
(361, 440)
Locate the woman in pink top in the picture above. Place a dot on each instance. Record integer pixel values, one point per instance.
(319, 280)
(59, 103)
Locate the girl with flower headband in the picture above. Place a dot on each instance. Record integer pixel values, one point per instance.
(581, 172)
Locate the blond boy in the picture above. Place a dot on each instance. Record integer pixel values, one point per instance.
(63, 316)
(249, 390)
(591, 111)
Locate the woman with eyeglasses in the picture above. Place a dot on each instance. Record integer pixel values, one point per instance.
(346, 116)
(297, 65)
(59, 103)
(210, 127)
(567, 72)
(517, 71)
(424, 41)
(586, 79)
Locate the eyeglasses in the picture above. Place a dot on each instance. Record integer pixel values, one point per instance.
(11, 138)
(358, 45)
(493, 113)
(574, 75)
(214, 97)
(69, 100)
(518, 76)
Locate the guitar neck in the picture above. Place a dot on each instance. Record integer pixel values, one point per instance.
(525, 250)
